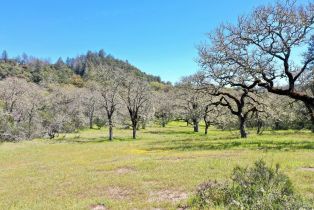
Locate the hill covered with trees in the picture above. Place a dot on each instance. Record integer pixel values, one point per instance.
(71, 71)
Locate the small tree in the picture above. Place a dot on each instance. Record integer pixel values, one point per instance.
(211, 115)
(110, 98)
(33, 103)
(109, 85)
(91, 102)
(164, 104)
(4, 56)
(64, 111)
(135, 94)
(10, 92)
(191, 100)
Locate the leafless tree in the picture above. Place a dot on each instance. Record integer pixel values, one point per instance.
(110, 103)
(64, 112)
(10, 91)
(22, 104)
(109, 85)
(165, 105)
(263, 48)
(110, 97)
(32, 105)
(211, 114)
(135, 94)
(90, 101)
(240, 102)
(191, 100)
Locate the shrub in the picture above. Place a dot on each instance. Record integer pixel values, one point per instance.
(100, 122)
(211, 193)
(258, 187)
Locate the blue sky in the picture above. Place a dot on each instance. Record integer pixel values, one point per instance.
(157, 36)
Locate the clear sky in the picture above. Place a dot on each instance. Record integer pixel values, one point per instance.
(157, 36)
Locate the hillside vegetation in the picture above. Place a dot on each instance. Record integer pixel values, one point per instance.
(42, 71)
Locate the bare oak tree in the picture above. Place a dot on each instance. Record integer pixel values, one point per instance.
(11, 90)
(91, 102)
(211, 114)
(263, 48)
(191, 100)
(240, 103)
(63, 112)
(109, 85)
(22, 102)
(135, 94)
(164, 105)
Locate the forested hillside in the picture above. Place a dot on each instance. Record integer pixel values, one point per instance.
(71, 71)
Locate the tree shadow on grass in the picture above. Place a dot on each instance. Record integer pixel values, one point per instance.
(170, 132)
(286, 133)
(83, 140)
(184, 145)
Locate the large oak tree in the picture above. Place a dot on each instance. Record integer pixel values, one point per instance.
(265, 48)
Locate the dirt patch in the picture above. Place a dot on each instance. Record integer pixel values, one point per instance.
(115, 193)
(98, 207)
(307, 169)
(119, 171)
(118, 193)
(167, 195)
(124, 170)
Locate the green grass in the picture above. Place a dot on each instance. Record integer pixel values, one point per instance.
(158, 169)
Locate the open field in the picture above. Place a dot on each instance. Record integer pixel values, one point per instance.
(158, 170)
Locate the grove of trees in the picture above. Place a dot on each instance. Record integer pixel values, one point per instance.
(257, 73)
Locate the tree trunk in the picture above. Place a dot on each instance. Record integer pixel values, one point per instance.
(259, 127)
(312, 119)
(29, 132)
(90, 122)
(311, 112)
(195, 125)
(110, 129)
(163, 124)
(206, 127)
(242, 127)
(91, 117)
(30, 120)
(134, 131)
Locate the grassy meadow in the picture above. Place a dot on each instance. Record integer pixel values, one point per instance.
(158, 170)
